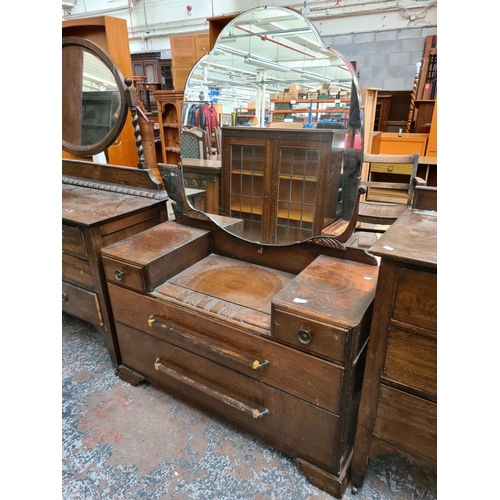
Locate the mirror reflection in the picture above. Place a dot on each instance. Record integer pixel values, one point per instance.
(272, 117)
(93, 102)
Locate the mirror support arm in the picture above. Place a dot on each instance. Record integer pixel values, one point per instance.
(131, 100)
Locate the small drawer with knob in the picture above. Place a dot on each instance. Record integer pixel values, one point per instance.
(308, 335)
(125, 274)
(322, 311)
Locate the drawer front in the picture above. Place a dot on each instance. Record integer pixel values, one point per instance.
(415, 302)
(390, 168)
(73, 241)
(125, 274)
(81, 303)
(310, 336)
(77, 270)
(312, 379)
(289, 424)
(407, 421)
(411, 360)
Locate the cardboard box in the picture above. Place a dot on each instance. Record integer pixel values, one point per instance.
(312, 95)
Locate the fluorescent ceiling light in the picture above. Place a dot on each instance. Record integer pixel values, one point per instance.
(265, 64)
(316, 77)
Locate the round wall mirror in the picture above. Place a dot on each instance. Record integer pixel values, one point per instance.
(268, 96)
(93, 98)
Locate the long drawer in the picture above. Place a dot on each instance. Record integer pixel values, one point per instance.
(81, 303)
(77, 270)
(287, 423)
(73, 241)
(415, 302)
(315, 380)
(407, 421)
(411, 360)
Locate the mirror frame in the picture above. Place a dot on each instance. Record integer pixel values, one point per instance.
(112, 135)
(336, 241)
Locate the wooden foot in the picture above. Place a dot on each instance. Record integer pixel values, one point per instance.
(323, 480)
(129, 375)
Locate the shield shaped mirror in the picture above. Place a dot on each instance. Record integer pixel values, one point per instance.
(271, 77)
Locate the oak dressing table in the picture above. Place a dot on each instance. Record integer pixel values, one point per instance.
(241, 313)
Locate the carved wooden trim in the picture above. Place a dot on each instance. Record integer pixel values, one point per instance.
(155, 195)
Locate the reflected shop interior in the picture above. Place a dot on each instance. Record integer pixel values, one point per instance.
(281, 180)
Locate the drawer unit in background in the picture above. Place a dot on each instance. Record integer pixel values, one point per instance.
(398, 408)
(94, 216)
(277, 354)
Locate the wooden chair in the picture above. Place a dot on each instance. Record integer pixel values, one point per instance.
(391, 183)
(193, 145)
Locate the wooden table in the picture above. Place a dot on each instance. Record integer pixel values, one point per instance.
(204, 174)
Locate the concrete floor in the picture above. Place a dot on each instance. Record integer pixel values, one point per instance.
(126, 442)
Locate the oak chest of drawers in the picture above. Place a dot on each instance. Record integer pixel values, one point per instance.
(398, 409)
(95, 213)
(279, 355)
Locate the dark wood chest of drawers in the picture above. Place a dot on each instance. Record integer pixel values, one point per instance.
(398, 409)
(278, 354)
(95, 213)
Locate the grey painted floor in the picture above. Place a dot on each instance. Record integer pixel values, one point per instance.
(126, 442)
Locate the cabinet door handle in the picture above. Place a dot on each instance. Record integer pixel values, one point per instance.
(248, 361)
(223, 398)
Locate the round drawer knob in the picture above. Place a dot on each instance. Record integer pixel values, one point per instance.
(304, 336)
(119, 275)
(65, 296)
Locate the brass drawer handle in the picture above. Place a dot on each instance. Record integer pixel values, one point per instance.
(119, 275)
(223, 398)
(304, 336)
(255, 364)
(65, 296)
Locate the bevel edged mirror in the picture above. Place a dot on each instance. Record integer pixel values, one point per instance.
(256, 58)
(94, 108)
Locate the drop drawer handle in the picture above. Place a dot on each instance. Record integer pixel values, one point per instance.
(65, 296)
(223, 398)
(255, 364)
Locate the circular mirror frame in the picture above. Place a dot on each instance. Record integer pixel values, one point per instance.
(112, 135)
(355, 87)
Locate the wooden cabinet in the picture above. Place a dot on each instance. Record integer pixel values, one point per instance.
(101, 205)
(398, 408)
(186, 51)
(157, 73)
(230, 336)
(382, 109)
(399, 144)
(279, 181)
(169, 105)
(204, 175)
(111, 35)
(432, 142)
